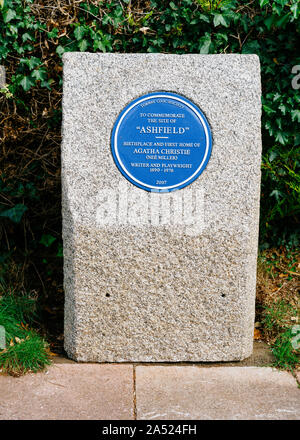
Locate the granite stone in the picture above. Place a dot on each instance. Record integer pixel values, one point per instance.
(169, 276)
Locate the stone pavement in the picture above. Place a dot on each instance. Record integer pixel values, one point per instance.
(68, 390)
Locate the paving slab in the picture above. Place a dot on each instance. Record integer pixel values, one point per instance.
(69, 391)
(216, 393)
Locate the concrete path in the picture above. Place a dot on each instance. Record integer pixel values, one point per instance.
(234, 393)
(69, 391)
(150, 392)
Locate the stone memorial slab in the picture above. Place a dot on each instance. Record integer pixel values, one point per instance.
(161, 182)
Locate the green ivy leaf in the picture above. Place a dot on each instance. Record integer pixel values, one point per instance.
(106, 19)
(205, 43)
(47, 240)
(39, 74)
(31, 62)
(276, 97)
(60, 252)
(60, 50)
(26, 36)
(273, 155)
(200, 17)
(79, 32)
(9, 15)
(295, 10)
(281, 137)
(83, 45)
(98, 44)
(268, 109)
(26, 83)
(269, 21)
(281, 22)
(203, 17)
(295, 115)
(282, 108)
(277, 194)
(219, 19)
(13, 29)
(14, 214)
(53, 33)
(47, 84)
(282, 2)
(263, 3)
(251, 47)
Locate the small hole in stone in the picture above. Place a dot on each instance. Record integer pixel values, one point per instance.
(107, 295)
(223, 295)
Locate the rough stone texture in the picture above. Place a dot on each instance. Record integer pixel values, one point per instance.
(218, 393)
(69, 392)
(261, 356)
(158, 293)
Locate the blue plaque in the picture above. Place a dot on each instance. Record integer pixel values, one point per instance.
(161, 142)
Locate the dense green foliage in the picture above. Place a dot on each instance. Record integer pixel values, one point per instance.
(25, 349)
(286, 357)
(33, 37)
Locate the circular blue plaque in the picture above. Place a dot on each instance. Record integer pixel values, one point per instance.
(161, 142)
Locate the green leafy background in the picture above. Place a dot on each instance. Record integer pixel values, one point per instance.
(33, 37)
